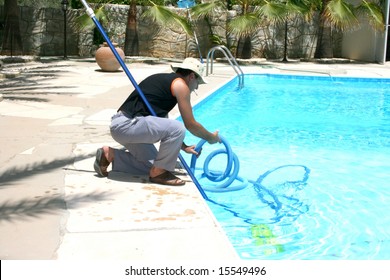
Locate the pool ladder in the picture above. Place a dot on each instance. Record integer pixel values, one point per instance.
(232, 61)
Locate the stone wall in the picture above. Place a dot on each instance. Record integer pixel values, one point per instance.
(43, 34)
(42, 31)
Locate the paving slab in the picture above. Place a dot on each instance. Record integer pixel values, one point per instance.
(129, 218)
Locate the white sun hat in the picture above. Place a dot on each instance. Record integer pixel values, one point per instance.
(192, 64)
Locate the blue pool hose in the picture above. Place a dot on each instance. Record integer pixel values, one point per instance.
(227, 177)
(91, 14)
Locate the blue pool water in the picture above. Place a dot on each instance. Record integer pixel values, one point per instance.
(315, 151)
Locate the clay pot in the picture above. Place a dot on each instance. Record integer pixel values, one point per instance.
(106, 59)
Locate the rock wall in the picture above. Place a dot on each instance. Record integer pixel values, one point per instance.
(42, 33)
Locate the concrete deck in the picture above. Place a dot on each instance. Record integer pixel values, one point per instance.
(53, 116)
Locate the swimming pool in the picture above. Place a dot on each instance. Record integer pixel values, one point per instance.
(315, 151)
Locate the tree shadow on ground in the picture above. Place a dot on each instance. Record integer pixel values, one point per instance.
(26, 209)
(32, 82)
(17, 173)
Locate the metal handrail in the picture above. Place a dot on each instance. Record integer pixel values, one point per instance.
(232, 61)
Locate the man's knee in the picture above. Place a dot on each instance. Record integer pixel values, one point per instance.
(180, 129)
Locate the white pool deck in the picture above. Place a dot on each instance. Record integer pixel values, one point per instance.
(51, 139)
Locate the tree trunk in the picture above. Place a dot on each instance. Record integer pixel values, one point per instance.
(131, 41)
(285, 42)
(244, 47)
(324, 47)
(12, 39)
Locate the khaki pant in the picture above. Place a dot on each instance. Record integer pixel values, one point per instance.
(138, 135)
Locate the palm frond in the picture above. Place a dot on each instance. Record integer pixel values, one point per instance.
(340, 14)
(216, 39)
(244, 24)
(273, 11)
(84, 22)
(374, 14)
(207, 9)
(299, 6)
(165, 17)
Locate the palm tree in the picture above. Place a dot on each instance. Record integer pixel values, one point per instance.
(293, 8)
(333, 15)
(206, 11)
(339, 14)
(159, 14)
(280, 11)
(242, 26)
(254, 14)
(265, 11)
(131, 39)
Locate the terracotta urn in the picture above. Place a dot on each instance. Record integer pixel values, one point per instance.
(106, 59)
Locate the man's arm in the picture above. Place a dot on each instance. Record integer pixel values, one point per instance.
(182, 94)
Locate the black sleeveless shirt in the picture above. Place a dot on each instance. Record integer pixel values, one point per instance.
(157, 90)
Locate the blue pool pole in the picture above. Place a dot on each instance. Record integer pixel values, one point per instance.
(91, 14)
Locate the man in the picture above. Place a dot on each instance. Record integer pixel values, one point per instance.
(137, 129)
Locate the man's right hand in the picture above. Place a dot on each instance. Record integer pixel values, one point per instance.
(214, 138)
